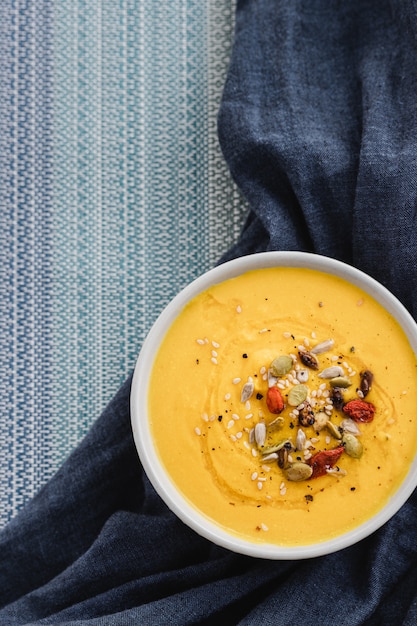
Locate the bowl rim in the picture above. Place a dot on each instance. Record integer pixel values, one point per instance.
(148, 456)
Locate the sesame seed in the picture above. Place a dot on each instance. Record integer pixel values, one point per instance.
(235, 416)
(263, 330)
(286, 335)
(214, 353)
(236, 381)
(230, 423)
(266, 468)
(262, 479)
(260, 485)
(232, 437)
(238, 309)
(197, 431)
(248, 416)
(205, 417)
(246, 444)
(201, 342)
(313, 335)
(262, 370)
(283, 491)
(213, 360)
(264, 527)
(254, 476)
(334, 358)
(227, 396)
(239, 435)
(215, 344)
(254, 452)
(247, 405)
(212, 418)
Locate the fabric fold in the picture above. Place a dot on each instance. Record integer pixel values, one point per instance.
(318, 126)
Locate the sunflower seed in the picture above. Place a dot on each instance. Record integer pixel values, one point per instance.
(332, 372)
(322, 347)
(247, 391)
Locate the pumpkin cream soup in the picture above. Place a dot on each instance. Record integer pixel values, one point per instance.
(282, 405)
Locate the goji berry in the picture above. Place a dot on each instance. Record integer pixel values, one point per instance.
(359, 410)
(274, 400)
(324, 460)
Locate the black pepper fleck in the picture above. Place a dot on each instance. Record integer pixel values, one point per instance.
(259, 396)
(220, 418)
(309, 497)
(244, 355)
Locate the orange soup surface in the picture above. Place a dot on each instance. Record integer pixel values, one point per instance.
(282, 405)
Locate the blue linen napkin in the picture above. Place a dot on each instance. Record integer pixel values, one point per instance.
(317, 124)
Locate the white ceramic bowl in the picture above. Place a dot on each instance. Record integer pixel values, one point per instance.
(142, 434)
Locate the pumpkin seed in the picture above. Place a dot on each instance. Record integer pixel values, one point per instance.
(297, 394)
(340, 381)
(299, 471)
(353, 446)
(334, 430)
(281, 365)
(276, 423)
(276, 447)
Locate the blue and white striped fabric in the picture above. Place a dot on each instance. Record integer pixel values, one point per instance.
(114, 195)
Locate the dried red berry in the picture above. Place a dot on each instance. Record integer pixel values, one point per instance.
(274, 400)
(324, 460)
(359, 410)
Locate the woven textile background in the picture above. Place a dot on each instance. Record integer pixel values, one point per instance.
(114, 195)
